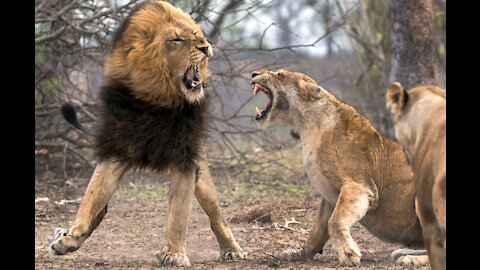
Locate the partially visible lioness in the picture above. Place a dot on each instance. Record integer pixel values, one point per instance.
(420, 126)
(360, 175)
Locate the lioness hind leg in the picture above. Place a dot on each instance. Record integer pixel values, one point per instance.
(207, 197)
(93, 208)
(352, 205)
(180, 204)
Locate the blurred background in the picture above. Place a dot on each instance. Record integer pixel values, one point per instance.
(353, 48)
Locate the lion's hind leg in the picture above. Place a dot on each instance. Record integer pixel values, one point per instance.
(179, 208)
(207, 197)
(93, 208)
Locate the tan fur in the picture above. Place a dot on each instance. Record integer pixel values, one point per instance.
(420, 126)
(103, 184)
(360, 175)
(148, 60)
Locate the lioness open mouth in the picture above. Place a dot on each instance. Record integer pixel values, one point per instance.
(191, 78)
(260, 114)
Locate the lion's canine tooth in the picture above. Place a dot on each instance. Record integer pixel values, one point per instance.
(257, 111)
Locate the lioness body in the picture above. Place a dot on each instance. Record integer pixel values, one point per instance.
(152, 115)
(351, 150)
(360, 175)
(420, 126)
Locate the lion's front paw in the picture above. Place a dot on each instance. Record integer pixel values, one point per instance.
(232, 255)
(173, 259)
(64, 242)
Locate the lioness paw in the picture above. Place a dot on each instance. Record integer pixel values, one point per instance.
(349, 255)
(412, 260)
(173, 259)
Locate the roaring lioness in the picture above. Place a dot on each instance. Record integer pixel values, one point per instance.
(360, 175)
(152, 115)
(420, 122)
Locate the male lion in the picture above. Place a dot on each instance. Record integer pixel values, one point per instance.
(420, 126)
(360, 175)
(152, 115)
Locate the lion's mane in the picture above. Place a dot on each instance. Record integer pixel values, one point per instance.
(145, 121)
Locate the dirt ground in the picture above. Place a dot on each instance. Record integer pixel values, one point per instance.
(134, 227)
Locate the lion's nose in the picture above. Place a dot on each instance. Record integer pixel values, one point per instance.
(204, 49)
(255, 73)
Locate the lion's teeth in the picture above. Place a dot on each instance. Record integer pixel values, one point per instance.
(257, 111)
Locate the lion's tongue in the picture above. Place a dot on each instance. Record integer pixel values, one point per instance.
(192, 74)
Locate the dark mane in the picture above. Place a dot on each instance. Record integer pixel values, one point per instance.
(142, 135)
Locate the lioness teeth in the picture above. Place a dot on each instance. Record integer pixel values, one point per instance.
(255, 89)
(257, 111)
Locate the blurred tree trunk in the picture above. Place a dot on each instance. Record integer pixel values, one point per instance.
(414, 43)
(217, 25)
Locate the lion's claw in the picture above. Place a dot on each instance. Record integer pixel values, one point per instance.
(232, 255)
(173, 259)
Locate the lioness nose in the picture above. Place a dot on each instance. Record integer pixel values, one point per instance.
(255, 73)
(203, 49)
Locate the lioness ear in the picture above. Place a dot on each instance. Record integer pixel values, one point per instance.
(312, 90)
(396, 96)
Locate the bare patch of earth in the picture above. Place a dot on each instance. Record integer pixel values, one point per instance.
(134, 228)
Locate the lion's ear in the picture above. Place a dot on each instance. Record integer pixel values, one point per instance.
(396, 96)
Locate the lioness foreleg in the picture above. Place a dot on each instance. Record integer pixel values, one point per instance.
(179, 208)
(207, 197)
(352, 205)
(319, 234)
(93, 208)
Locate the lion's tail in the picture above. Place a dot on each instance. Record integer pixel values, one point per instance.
(70, 114)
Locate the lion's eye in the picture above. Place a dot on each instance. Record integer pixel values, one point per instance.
(178, 40)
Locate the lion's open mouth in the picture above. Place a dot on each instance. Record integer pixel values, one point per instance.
(260, 114)
(191, 78)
